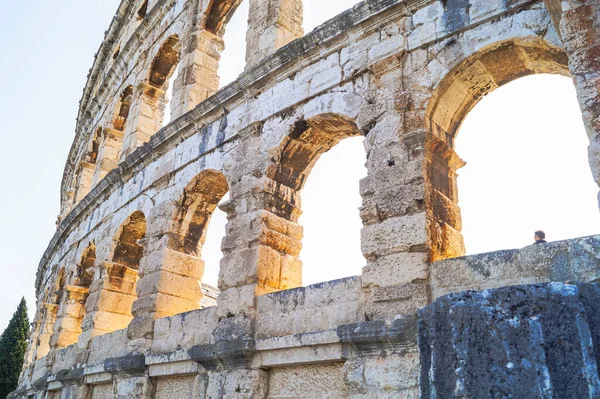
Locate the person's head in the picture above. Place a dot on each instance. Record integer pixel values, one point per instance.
(540, 235)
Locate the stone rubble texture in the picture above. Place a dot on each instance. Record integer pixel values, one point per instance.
(538, 341)
(122, 310)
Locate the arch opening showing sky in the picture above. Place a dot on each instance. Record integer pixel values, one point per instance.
(527, 167)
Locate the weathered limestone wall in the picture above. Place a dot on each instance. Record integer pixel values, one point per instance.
(122, 311)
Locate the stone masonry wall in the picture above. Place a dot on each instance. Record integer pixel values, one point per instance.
(122, 310)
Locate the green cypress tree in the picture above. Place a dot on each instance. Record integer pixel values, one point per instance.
(13, 343)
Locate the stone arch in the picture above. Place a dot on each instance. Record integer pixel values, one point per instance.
(165, 62)
(86, 267)
(142, 10)
(49, 312)
(219, 12)
(72, 308)
(300, 150)
(94, 147)
(122, 109)
(454, 97)
(113, 291)
(149, 105)
(195, 208)
(286, 176)
(83, 180)
(127, 251)
(112, 136)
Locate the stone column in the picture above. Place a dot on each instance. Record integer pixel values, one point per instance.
(198, 76)
(108, 307)
(84, 180)
(395, 238)
(146, 117)
(170, 284)
(36, 328)
(108, 154)
(46, 330)
(170, 281)
(272, 24)
(260, 249)
(580, 28)
(72, 310)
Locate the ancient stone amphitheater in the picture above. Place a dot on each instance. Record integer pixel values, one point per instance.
(121, 308)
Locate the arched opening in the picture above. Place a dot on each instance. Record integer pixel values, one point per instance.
(547, 177)
(84, 175)
(122, 109)
(163, 76)
(94, 147)
(111, 138)
(308, 141)
(316, 12)
(142, 10)
(49, 310)
(87, 267)
(456, 95)
(192, 224)
(128, 252)
(234, 16)
(330, 218)
(72, 311)
(114, 299)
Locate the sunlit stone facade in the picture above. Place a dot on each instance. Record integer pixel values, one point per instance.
(121, 308)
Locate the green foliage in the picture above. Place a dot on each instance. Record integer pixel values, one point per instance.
(13, 343)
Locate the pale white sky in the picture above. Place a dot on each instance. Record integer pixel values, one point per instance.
(504, 195)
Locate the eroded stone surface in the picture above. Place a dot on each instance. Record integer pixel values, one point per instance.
(523, 342)
(122, 308)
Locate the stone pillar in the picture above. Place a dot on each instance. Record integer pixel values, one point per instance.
(580, 28)
(395, 233)
(71, 313)
(198, 76)
(84, 180)
(147, 114)
(441, 191)
(46, 330)
(272, 24)
(108, 154)
(260, 248)
(36, 328)
(108, 307)
(170, 284)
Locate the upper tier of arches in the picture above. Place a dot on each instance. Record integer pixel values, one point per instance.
(165, 54)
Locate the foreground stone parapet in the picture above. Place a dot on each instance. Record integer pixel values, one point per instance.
(535, 341)
(570, 260)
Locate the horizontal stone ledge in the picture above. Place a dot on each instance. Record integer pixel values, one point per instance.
(129, 365)
(375, 336)
(187, 367)
(98, 378)
(41, 383)
(165, 358)
(229, 354)
(297, 340)
(16, 394)
(70, 376)
(575, 259)
(305, 355)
